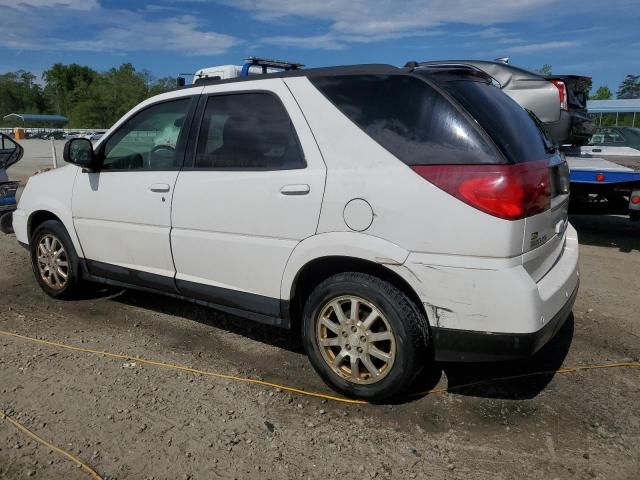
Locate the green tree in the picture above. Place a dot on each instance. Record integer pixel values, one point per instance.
(65, 83)
(630, 87)
(162, 85)
(19, 93)
(545, 70)
(602, 93)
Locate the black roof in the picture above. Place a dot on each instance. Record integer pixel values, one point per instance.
(364, 69)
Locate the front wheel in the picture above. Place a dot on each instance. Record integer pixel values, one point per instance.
(364, 336)
(54, 261)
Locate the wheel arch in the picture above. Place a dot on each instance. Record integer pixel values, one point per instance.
(321, 256)
(40, 215)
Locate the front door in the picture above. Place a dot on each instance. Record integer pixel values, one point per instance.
(122, 213)
(252, 193)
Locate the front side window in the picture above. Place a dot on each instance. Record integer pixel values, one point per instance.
(149, 140)
(247, 131)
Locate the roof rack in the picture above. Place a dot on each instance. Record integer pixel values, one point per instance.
(266, 63)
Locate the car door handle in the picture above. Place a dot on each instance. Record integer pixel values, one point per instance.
(159, 188)
(295, 189)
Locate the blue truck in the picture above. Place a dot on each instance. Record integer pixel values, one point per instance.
(605, 186)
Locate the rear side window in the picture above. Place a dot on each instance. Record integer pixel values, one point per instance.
(409, 118)
(247, 131)
(507, 123)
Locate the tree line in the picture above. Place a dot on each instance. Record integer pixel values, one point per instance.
(90, 99)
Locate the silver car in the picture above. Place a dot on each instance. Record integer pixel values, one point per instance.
(559, 101)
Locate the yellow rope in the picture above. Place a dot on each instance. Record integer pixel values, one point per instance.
(44, 442)
(263, 383)
(306, 392)
(186, 369)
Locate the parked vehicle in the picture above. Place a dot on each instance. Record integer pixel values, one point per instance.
(57, 135)
(93, 136)
(604, 187)
(387, 213)
(616, 141)
(10, 153)
(559, 101)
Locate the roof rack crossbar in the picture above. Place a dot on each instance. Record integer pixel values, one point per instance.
(266, 63)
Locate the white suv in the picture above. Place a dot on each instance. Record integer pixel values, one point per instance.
(393, 215)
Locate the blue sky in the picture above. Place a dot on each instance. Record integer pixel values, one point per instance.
(590, 37)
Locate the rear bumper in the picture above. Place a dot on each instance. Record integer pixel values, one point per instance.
(452, 345)
(483, 309)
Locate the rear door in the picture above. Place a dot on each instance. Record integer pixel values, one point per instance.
(252, 192)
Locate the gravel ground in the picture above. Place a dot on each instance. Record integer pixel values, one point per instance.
(136, 421)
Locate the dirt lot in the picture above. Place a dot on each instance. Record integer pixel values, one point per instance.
(141, 421)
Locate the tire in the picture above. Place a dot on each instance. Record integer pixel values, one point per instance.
(398, 330)
(52, 232)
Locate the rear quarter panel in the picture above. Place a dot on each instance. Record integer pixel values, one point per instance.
(407, 210)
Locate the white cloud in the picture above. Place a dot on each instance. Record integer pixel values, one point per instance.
(325, 42)
(132, 32)
(70, 4)
(374, 18)
(540, 47)
(363, 21)
(107, 30)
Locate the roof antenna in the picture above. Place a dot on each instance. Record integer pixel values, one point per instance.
(502, 59)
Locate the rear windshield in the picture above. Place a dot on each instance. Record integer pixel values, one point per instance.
(409, 118)
(508, 124)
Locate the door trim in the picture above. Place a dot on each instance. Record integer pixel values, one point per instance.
(253, 307)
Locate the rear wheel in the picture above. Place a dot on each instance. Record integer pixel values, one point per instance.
(364, 336)
(54, 261)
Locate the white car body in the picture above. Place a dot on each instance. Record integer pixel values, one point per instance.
(246, 236)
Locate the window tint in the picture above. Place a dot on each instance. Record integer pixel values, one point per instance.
(149, 139)
(507, 123)
(409, 118)
(247, 131)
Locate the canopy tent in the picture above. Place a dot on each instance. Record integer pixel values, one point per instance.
(30, 117)
(628, 109)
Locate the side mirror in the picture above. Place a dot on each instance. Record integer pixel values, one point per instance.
(79, 151)
(10, 151)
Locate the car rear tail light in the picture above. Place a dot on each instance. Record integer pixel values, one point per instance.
(600, 177)
(562, 90)
(635, 199)
(511, 192)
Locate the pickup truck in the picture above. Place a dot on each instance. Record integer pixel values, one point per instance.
(559, 101)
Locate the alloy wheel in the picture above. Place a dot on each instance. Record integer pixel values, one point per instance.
(53, 264)
(356, 340)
